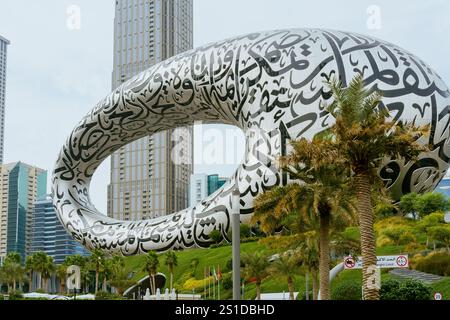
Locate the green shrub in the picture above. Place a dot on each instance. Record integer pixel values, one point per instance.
(227, 282)
(389, 290)
(103, 295)
(245, 231)
(15, 295)
(438, 263)
(406, 290)
(347, 290)
(216, 236)
(1, 297)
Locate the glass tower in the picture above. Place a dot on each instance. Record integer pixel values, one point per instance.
(49, 235)
(20, 185)
(145, 183)
(3, 50)
(203, 185)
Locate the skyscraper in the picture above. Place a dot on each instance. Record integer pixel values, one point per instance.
(20, 186)
(3, 50)
(145, 182)
(49, 235)
(203, 185)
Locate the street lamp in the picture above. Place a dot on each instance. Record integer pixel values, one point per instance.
(236, 243)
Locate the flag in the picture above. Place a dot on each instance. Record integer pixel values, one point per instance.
(214, 273)
(219, 274)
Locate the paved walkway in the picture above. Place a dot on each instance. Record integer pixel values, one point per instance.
(415, 275)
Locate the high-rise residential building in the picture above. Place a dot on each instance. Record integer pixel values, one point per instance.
(20, 186)
(3, 51)
(145, 182)
(49, 235)
(203, 185)
(444, 186)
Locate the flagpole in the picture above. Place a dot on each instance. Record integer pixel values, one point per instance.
(219, 276)
(209, 282)
(204, 280)
(214, 283)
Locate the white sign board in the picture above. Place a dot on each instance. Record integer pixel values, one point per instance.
(400, 261)
(73, 278)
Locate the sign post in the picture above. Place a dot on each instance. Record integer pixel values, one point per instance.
(398, 261)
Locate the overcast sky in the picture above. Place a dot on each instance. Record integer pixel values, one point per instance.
(56, 75)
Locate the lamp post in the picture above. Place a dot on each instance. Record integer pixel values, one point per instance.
(236, 243)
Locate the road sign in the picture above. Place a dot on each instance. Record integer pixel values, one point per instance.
(447, 217)
(399, 261)
(437, 296)
(349, 263)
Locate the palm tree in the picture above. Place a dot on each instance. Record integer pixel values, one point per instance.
(120, 280)
(363, 136)
(13, 257)
(287, 266)
(12, 268)
(171, 262)
(256, 266)
(97, 259)
(12, 273)
(308, 251)
(29, 267)
(321, 195)
(61, 273)
(83, 263)
(151, 264)
(39, 262)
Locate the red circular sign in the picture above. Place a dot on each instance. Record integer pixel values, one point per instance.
(349, 262)
(402, 261)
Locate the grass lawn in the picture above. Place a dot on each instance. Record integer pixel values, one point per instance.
(220, 256)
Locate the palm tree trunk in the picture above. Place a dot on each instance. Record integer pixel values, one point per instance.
(315, 287)
(307, 285)
(150, 278)
(365, 211)
(104, 283)
(97, 272)
(291, 288)
(154, 283)
(171, 281)
(30, 281)
(324, 255)
(258, 290)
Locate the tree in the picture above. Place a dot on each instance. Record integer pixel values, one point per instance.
(83, 263)
(363, 135)
(441, 234)
(151, 264)
(408, 204)
(430, 202)
(256, 266)
(216, 236)
(287, 266)
(61, 273)
(321, 196)
(29, 267)
(119, 277)
(12, 272)
(431, 220)
(44, 265)
(171, 262)
(97, 260)
(120, 281)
